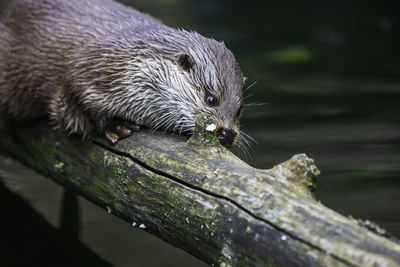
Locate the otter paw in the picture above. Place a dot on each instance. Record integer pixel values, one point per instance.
(131, 126)
(120, 130)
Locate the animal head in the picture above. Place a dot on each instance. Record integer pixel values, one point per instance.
(194, 75)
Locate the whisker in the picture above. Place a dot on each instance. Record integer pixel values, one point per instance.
(251, 85)
(248, 138)
(243, 150)
(246, 145)
(250, 95)
(254, 104)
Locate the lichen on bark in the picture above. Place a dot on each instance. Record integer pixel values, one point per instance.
(204, 132)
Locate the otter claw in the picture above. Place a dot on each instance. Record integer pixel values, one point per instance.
(112, 137)
(123, 131)
(131, 126)
(119, 131)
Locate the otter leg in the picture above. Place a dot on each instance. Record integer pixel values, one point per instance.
(68, 116)
(117, 129)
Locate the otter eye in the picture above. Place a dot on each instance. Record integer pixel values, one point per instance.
(239, 112)
(211, 101)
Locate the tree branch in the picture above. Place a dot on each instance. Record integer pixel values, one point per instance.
(198, 196)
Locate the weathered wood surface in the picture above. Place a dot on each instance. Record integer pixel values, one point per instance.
(201, 198)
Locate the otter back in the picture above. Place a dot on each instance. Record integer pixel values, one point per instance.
(37, 38)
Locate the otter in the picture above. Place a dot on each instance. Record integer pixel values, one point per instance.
(97, 66)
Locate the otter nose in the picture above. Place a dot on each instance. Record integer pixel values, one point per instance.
(226, 136)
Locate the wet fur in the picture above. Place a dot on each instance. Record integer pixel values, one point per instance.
(83, 62)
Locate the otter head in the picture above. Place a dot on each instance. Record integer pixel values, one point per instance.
(193, 75)
(214, 77)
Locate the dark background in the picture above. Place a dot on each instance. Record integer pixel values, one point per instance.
(329, 72)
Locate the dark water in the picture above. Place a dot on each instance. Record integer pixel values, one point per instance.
(330, 73)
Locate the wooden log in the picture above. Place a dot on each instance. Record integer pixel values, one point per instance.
(198, 196)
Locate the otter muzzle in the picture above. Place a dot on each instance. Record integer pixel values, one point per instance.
(226, 137)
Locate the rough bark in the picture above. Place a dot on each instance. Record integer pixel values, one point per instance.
(198, 196)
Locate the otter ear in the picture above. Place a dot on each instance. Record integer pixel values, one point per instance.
(244, 80)
(186, 62)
